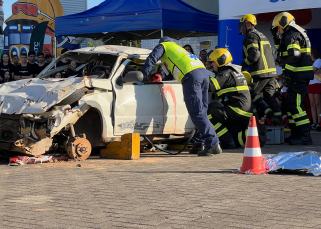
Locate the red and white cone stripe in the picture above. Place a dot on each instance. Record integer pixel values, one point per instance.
(252, 160)
(252, 145)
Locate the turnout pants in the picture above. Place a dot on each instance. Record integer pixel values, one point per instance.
(267, 86)
(195, 89)
(295, 106)
(230, 125)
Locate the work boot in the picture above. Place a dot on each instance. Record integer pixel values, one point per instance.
(209, 151)
(228, 145)
(196, 149)
(294, 133)
(304, 139)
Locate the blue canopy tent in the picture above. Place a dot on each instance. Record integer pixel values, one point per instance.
(137, 20)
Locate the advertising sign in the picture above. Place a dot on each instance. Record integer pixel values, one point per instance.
(230, 9)
(39, 16)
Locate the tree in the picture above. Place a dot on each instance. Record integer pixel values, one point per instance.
(136, 43)
(94, 43)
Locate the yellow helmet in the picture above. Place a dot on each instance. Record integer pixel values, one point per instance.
(221, 57)
(282, 20)
(249, 18)
(246, 18)
(247, 76)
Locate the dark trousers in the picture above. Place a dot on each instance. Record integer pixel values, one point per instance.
(295, 106)
(195, 89)
(229, 125)
(267, 86)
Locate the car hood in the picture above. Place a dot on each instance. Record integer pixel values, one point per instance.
(35, 96)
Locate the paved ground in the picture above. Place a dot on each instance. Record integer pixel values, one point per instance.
(158, 191)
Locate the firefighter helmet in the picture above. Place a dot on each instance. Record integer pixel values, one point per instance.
(246, 18)
(249, 18)
(247, 76)
(282, 20)
(221, 57)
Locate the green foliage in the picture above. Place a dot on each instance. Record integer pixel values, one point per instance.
(94, 43)
(136, 43)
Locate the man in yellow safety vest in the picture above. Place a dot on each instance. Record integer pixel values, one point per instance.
(190, 71)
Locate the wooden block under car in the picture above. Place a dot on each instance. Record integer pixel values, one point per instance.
(127, 149)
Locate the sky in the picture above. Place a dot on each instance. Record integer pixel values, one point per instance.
(8, 3)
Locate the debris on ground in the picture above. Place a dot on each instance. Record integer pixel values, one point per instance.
(308, 162)
(23, 160)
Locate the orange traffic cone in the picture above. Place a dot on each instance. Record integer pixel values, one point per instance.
(252, 160)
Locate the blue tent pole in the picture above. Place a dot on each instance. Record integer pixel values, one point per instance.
(55, 50)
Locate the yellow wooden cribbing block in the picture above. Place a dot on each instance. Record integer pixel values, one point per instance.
(127, 149)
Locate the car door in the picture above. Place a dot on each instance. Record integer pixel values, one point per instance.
(152, 108)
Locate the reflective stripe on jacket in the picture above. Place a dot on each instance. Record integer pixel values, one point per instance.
(178, 61)
(257, 53)
(232, 88)
(296, 54)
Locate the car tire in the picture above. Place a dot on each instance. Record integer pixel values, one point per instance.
(74, 97)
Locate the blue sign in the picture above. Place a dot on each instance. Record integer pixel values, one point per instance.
(276, 0)
(192, 56)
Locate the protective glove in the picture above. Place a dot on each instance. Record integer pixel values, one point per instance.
(140, 83)
(276, 121)
(155, 78)
(286, 78)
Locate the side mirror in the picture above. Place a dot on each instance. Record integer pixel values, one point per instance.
(130, 77)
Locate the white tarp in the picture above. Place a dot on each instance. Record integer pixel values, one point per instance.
(230, 9)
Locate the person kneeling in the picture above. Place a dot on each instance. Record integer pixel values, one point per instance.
(231, 118)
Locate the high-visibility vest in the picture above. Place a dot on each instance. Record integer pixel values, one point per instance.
(178, 61)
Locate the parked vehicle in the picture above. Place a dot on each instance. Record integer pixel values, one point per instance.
(46, 114)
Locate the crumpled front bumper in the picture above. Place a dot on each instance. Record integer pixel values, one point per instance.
(33, 134)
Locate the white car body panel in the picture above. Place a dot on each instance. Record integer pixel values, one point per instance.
(103, 103)
(156, 108)
(102, 83)
(36, 96)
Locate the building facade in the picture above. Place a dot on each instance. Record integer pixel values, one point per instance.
(27, 15)
(306, 13)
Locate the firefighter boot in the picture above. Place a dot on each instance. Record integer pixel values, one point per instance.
(209, 151)
(294, 133)
(228, 145)
(196, 148)
(227, 141)
(304, 139)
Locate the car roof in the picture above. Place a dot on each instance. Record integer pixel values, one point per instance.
(115, 50)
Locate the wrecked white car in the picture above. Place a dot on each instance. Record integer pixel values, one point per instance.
(46, 114)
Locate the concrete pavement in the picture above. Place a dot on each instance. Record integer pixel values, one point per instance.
(159, 191)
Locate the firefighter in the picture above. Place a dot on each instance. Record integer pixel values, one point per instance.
(230, 120)
(261, 106)
(257, 55)
(190, 71)
(295, 50)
